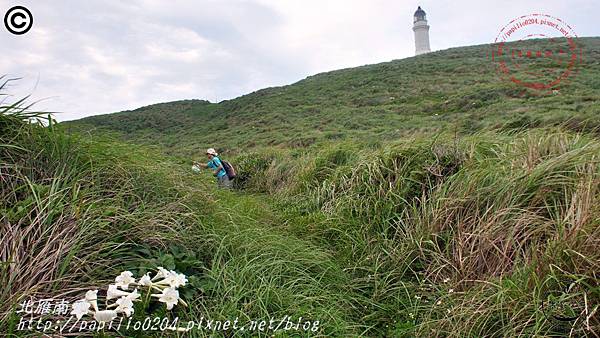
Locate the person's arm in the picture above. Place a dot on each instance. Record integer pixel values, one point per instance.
(202, 165)
(219, 167)
(216, 171)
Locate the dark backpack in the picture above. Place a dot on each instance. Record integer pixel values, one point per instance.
(229, 170)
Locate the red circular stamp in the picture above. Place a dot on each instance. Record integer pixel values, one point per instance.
(536, 51)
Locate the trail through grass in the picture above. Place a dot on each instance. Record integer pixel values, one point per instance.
(272, 261)
(262, 270)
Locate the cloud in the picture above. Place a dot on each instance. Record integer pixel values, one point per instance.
(89, 57)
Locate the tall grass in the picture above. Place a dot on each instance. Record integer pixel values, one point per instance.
(74, 213)
(262, 271)
(510, 229)
(490, 235)
(486, 235)
(77, 211)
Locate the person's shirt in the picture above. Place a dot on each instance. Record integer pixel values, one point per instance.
(214, 164)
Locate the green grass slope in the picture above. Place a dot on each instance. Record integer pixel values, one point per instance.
(480, 221)
(485, 236)
(75, 212)
(458, 89)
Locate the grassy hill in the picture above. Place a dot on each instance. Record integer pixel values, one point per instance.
(416, 198)
(458, 89)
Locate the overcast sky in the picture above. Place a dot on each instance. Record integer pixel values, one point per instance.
(89, 57)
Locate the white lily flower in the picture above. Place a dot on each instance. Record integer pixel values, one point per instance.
(91, 295)
(169, 296)
(114, 292)
(178, 279)
(134, 295)
(174, 279)
(145, 280)
(80, 308)
(105, 316)
(92, 298)
(124, 279)
(162, 273)
(125, 305)
(166, 281)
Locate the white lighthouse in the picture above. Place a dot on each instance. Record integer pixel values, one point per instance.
(421, 30)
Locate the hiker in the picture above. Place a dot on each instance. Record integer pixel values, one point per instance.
(215, 164)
